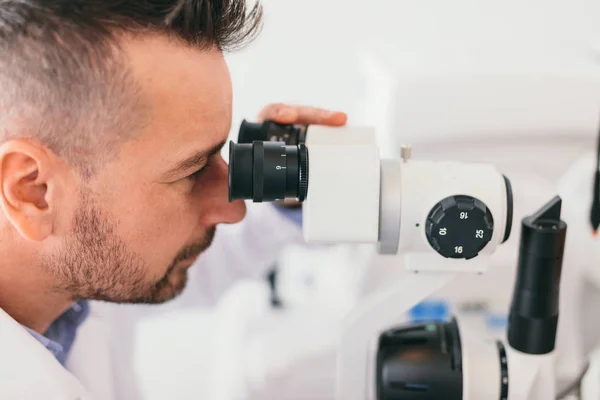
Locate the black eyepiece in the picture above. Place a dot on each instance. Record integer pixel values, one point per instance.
(267, 171)
(270, 131)
(533, 317)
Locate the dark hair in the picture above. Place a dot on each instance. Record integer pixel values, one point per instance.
(63, 74)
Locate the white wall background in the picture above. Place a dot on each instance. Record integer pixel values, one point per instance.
(313, 51)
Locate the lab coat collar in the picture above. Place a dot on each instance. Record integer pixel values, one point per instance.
(29, 370)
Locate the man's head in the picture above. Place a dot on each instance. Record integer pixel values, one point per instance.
(112, 115)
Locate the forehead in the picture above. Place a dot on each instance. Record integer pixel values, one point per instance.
(187, 92)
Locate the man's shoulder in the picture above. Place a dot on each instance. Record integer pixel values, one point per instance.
(28, 369)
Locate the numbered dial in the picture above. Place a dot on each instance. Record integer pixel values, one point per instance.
(459, 227)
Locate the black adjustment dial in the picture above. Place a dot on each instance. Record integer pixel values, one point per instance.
(459, 227)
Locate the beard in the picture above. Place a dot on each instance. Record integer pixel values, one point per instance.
(96, 264)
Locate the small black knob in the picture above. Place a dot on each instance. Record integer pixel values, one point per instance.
(459, 227)
(302, 172)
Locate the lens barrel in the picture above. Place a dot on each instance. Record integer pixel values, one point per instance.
(267, 171)
(270, 131)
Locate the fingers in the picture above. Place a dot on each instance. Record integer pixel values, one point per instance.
(277, 112)
(289, 114)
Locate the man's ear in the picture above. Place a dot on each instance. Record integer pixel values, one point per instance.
(29, 184)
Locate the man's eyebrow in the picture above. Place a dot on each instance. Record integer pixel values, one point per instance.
(195, 160)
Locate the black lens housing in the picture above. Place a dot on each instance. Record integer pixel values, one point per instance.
(270, 131)
(267, 171)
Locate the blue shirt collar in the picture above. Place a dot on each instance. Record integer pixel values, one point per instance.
(55, 348)
(60, 336)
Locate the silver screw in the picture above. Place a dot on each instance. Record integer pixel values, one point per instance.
(406, 152)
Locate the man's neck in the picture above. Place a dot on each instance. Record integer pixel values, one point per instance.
(27, 296)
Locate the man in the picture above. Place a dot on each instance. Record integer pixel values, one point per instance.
(112, 118)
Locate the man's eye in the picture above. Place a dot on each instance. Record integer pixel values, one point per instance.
(196, 175)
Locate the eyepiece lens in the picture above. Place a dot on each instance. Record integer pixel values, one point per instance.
(240, 171)
(267, 171)
(251, 131)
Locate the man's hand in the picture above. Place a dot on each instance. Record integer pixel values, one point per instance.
(289, 114)
(301, 115)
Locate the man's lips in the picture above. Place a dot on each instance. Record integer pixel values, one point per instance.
(190, 260)
(194, 251)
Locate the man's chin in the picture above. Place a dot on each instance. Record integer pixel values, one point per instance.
(170, 287)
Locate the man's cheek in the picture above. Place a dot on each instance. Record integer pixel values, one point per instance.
(152, 233)
(175, 229)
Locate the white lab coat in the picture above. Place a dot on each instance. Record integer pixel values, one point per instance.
(100, 363)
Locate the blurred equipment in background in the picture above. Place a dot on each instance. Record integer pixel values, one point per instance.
(272, 279)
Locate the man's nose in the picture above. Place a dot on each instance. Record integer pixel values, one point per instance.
(215, 198)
